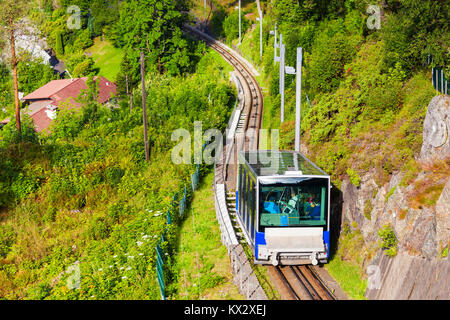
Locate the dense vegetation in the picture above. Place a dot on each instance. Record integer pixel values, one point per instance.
(368, 89)
(84, 195)
(84, 198)
(34, 73)
(365, 94)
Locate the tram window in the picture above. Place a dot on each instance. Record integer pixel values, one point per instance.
(250, 203)
(293, 205)
(242, 192)
(249, 200)
(252, 211)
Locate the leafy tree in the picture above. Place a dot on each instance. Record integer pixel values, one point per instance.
(231, 25)
(415, 31)
(217, 20)
(34, 73)
(6, 92)
(59, 44)
(155, 27)
(128, 73)
(83, 40)
(294, 12)
(105, 14)
(79, 65)
(329, 55)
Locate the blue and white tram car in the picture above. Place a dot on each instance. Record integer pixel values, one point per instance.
(283, 207)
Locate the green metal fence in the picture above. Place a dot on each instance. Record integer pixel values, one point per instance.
(439, 81)
(160, 270)
(160, 255)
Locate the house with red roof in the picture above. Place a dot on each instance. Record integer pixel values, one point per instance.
(42, 104)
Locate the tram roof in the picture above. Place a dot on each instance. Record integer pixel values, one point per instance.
(269, 162)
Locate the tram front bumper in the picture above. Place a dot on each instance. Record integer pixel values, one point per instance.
(292, 246)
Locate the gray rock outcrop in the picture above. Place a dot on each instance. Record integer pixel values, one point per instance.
(436, 129)
(420, 269)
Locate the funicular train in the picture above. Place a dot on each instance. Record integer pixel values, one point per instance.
(283, 207)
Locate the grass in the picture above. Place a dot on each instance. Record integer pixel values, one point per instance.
(107, 58)
(202, 265)
(346, 265)
(348, 276)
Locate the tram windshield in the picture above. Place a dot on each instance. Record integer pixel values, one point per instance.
(303, 204)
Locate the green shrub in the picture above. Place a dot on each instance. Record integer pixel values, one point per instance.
(10, 135)
(114, 175)
(390, 193)
(83, 40)
(389, 240)
(99, 229)
(40, 291)
(218, 16)
(23, 185)
(368, 209)
(50, 214)
(445, 252)
(231, 25)
(414, 31)
(7, 238)
(59, 44)
(354, 177)
(117, 211)
(329, 55)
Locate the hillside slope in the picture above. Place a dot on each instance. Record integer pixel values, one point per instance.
(365, 97)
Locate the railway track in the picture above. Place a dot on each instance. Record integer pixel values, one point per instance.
(301, 282)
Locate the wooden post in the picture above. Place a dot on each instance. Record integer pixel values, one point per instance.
(144, 107)
(14, 69)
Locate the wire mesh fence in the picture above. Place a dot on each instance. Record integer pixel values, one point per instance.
(160, 254)
(439, 81)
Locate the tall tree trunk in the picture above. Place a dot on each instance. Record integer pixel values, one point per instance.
(14, 69)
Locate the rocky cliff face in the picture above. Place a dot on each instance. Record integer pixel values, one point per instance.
(436, 129)
(420, 269)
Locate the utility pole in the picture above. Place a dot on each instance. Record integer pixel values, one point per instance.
(144, 107)
(260, 34)
(14, 69)
(282, 71)
(298, 94)
(239, 21)
(298, 98)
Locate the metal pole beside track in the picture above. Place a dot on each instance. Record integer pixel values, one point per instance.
(260, 34)
(282, 71)
(239, 21)
(298, 98)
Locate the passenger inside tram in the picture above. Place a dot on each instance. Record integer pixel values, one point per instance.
(289, 206)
